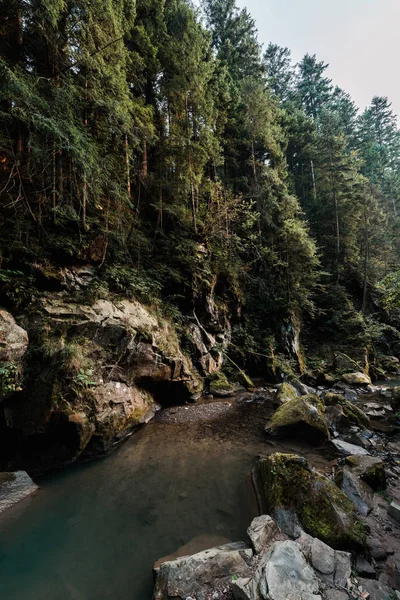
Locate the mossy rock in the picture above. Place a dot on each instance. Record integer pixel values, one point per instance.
(285, 393)
(370, 469)
(360, 379)
(285, 482)
(349, 409)
(302, 415)
(220, 386)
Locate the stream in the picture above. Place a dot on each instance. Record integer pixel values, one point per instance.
(93, 531)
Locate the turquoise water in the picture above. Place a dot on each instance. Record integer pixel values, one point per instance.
(93, 532)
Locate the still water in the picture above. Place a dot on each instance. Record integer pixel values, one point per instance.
(93, 531)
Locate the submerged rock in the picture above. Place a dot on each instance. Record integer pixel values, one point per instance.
(285, 481)
(202, 574)
(14, 487)
(301, 415)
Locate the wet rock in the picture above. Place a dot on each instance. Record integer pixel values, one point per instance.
(395, 398)
(356, 490)
(360, 379)
(301, 388)
(370, 469)
(364, 569)
(301, 416)
(285, 481)
(262, 532)
(13, 339)
(346, 449)
(202, 574)
(394, 511)
(14, 487)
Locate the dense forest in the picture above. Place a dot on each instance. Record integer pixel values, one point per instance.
(162, 144)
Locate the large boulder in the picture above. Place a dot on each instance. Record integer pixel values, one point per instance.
(286, 484)
(15, 487)
(203, 574)
(301, 415)
(357, 379)
(285, 392)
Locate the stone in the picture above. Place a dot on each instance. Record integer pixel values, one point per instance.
(15, 487)
(301, 388)
(389, 364)
(375, 548)
(285, 392)
(356, 490)
(375, 589)
(284, 574)
(303, 416)
(220, 387)
(262, 532)
(322, 557)
(336, 595)
(357, 379)
(202, 574)
(364, 568)
(370, 469)
(13, 339)
(243, 589)
(348, 413)
(394, 511)
(342, 567)
(346, 449)
(285, 482)
(395, 398)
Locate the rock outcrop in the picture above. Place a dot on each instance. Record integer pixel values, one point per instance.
(13, 345)
(96, 372)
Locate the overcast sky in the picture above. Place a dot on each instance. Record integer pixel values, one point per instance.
(360, 39)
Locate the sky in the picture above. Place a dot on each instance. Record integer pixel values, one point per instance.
(360, 39)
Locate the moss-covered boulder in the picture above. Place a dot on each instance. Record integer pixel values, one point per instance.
(301, 416)
(341, 412)
(219, 386)
(285, 483)
(357, 379)
(285, 393)
(389, 364)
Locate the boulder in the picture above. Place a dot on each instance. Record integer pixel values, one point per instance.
(219, 386)
(285, 392)
(262, 532)
(356, 490)
(370, 469)
(332, 566)
(389, 364)
(357, 379)
(285, 481)
(346, 449)
(344, 413)
(394, 511)
(203, 574)
(284, 574)
(13, 339)
(14, 487)
(302, 415)
(375, 589)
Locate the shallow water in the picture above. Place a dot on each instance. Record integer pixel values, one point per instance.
(93, 531)
(387, 383)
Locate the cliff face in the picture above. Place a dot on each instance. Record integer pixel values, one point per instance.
(92, 374)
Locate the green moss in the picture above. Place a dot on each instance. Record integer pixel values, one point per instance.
(286, 392)
(6, 477)
(218, 383)
(302, 411)
(286, 481)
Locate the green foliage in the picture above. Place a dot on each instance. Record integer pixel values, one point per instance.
(390, 288)
(9, 375)
(83, 379)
